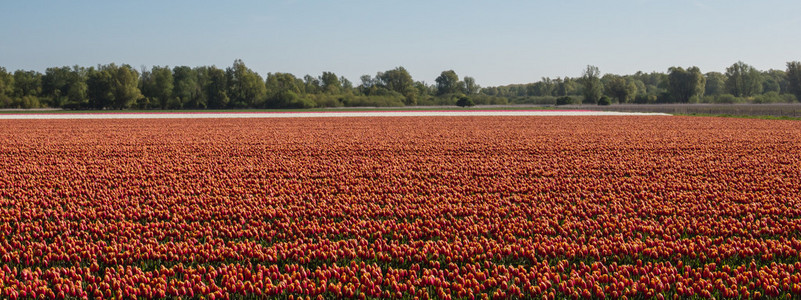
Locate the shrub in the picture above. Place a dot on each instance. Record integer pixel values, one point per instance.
(726, 99)
(465, 101)
(644, 99)
(328, 100)
(375, 101)
(604, 101)
(564, 100)
(769, 97)
(534, 100)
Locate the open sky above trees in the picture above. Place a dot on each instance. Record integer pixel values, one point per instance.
(495, 42)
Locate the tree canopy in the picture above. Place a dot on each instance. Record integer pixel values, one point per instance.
(115, 86)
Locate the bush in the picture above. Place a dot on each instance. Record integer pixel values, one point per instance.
(727, 99)
(28, 102)
(644, 99)
(328, 100)
(769, 97)
(464, 101)
(604, 101)
(534, 100)
(482, 99)
(375, 101)
(431, 100)
(564, 100)
(707, 99)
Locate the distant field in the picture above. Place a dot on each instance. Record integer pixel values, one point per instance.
(792, 110)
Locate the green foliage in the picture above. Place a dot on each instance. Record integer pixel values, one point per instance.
(187, 90)
(645, 99)
(437, 100)
(685, 84)
(619, 88)
(591, 82)
(6, 88)
(373, 101)
(534, 100)
(743, 80)
(157, 86)
(544, 87)
(399, 81)
(28, 101)
(327, 100)
(604, 101)
(292, 100)
(774, 81)
(727, 99)
(481, 99)
(65, 87)
(564, 100)
(469, 86)
(245, 87)
(282, 91)
(112, 86)
(330, 83)
(447, 83)
(465, 101)
(119, 87)
(793, 75)
(715, 84)
(216, 88)
(769, 97)
(27, 83)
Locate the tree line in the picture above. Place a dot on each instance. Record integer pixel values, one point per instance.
(208, 87)
(741, 83)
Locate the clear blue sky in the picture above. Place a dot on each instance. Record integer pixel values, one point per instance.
(496, 42)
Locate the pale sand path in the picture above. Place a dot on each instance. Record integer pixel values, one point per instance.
(224, 115)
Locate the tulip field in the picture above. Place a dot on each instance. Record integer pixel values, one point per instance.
(465, 207)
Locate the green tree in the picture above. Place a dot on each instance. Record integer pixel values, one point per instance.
(65, 86)
(544, 87)
(311, 85)
(27, 83)
(216, 88)
(158, 85)
(470, 86)
(743, 80)
(347, 86)
(330, 83)
(98, 83)
(591, 82)
(186, 90)
(245, 87)
(447, 83)
(685, 84)
(619, 88)
(774, 81)
(282, 91)
(6, 87)
(794, 78)
(202, 99)
(566, 86)
(112, 86)
(400, 81)
(715, 84)
(125, 88)
(464, 101)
